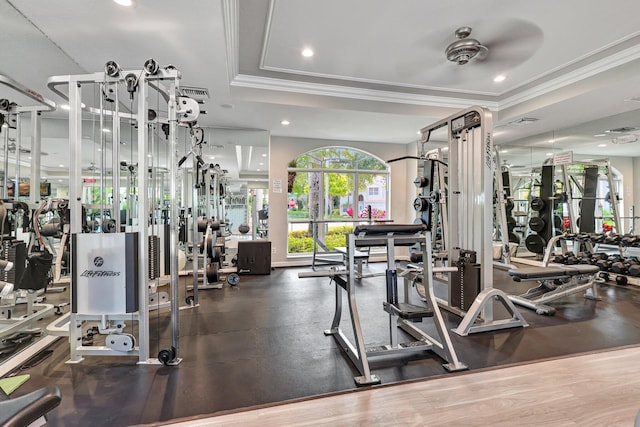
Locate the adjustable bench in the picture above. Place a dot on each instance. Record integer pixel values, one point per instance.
(29, 408)
(555, 282)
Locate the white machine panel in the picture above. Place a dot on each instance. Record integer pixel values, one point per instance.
(105, 267)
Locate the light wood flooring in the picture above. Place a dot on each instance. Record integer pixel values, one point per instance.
(601, 389)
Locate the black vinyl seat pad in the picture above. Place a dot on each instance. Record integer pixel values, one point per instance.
(533, 273)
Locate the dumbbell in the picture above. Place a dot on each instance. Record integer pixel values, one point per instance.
(572, 259)
(604, 264)
(612, 239)
(634, 270)
(560, 259)
(619, 267)
(622, 280)
(629, 240)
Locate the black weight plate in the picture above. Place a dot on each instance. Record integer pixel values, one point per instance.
(421, 181)
(420, 204)
(202, 225)
(212, 273)
(215, 225)
(510, 205)
(233, 279)
(535, 243)
(513, 238)
(537, 224)
(511, 221)
(537, 204)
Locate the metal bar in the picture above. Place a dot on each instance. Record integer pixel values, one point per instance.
(194, 215)
(143, 221)
(5, 171)
(115, 162)
(75, 197)
(18, 154)
(173, 220)
(46, 104)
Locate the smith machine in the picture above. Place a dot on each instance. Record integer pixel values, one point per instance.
(466, 222)
(109, 283)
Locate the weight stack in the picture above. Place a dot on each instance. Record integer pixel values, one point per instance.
(154, 257)
(465, 282)
(14, 251)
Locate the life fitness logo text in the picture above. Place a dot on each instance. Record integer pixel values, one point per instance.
(98, 262)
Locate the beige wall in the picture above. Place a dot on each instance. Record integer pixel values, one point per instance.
(284, 149)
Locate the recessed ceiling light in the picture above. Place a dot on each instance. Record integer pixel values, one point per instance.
(307, 53)
(264, 155)
(61, 166)
(124, 2)
(419, 133)
(59, 180)
(499, 78)
(258, 170)
(602, 145)
(599, 135)
(65, 107)
(29, 157)
(549, 154)
(106, 130)
(445, 148)
(261, 164)
(285, 123)
(99, 149)
(504, 151)
(212, 157)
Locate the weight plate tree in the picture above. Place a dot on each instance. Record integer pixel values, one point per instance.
(540, 222)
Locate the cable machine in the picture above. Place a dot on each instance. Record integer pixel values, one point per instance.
(469, 242)
(109, 284)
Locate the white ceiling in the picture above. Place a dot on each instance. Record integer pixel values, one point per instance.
(379, 72)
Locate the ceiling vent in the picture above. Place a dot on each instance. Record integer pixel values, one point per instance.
(465, 49)
(195, 93)
(523, 121)
(625, 139)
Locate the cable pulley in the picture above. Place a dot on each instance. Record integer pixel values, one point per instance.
(112, 69)
(151, 67)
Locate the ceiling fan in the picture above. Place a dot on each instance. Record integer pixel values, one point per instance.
(465, 49)
(500, 46)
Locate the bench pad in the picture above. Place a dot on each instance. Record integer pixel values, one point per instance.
(529, 273)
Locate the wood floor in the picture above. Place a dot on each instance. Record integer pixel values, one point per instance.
(601, 389)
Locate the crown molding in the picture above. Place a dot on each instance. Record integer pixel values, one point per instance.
(318, 89)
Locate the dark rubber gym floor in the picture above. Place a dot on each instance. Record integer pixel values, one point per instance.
(263, 342)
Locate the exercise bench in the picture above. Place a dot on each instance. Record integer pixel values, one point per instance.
(555, 282)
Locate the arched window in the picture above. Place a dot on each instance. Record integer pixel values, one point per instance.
(336, 185)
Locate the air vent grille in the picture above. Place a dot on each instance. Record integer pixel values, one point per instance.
(196, 93)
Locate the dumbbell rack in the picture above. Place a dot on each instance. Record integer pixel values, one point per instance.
(622, 242)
